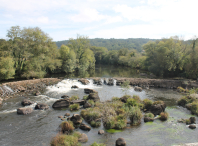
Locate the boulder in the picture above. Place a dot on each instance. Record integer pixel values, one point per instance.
(60, 117)
(41, 106)
(136, 88)
(80, 102)
(192, 126)
(88, 91)
(76, 119)
(62, 103)
(192, 120)
(65, 96)
(148, 119)
(24, 110)
(83, 81)
(26, 102)
(67, 114)
(110, 82)
(85, 127)
(120, 142)
(99, 82)
(87, 105)
(83, 138)
(74, 86)
(1, 100)
(156, 109)
(124, 98)
(101, 132)
(94, 97)
(37, 93)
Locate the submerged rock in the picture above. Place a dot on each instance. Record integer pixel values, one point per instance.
(26, 102)
(85, 127)
(74, 86)
(136, 88)
(24, 110)
(94, 97)
(41, 106)
(120, 142)
(76, 119)
(37, 93)
(62, 103)
(101, 132)
(67, 114)
(156, 109)
(84, 81)
(83, 138)
(192, 126)
(65, 96)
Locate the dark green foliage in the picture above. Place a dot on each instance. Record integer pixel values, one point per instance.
(147, 103)
(97, 144)
(150, 115)
(135, 115)
(95, 124)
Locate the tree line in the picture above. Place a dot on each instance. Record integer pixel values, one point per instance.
(31, 53)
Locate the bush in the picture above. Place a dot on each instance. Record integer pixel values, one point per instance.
(66, 127)
(109, 122)
(91, 114)
(65, 140)
(147, 103)
(164, 116)
(194, 108)
(131, 102)
(185, 100)
(97, 144)
(85, 97)
(95, 124)
(180, 89)
(150, 115)
(91, 102)
(135, 115)
(74, 107)
(120, 124)
(137, 98)
(74, 97)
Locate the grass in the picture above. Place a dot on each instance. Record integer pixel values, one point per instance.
(74, 97)
(66, 127)
(147, 103)
(180, 89)
(91, 102)
(65, 140)
(85, 97)
(115, 99)
(164, 116)
(97, 144)
(135, 115)
(95, 124)
(194, 108)
(150, 115)
(91, 114)
(74, 107)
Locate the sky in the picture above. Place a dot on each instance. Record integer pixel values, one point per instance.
(64, 19)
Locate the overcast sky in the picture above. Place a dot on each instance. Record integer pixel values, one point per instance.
(64, 19)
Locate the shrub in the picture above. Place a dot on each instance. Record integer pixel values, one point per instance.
(120, 124)
(147, 103)
(158, 102)
(137, 98)
(74, 107)
(135, 115)
(109, 122)
(85, 97)
(150, 115)
(180, 89)
(95, 124)
(97, 144)
(65, 140)
(91, 114)
(131, 102)
(91, 102)
(164, 116)
(185, 100)
(74, 97)
(66, 127)
(194, 108)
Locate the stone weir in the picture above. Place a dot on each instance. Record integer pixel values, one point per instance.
(34, 86)
(158, 83)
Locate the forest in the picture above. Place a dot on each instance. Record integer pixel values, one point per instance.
(31, 53)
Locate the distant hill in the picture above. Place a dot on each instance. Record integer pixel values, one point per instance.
(115, 44)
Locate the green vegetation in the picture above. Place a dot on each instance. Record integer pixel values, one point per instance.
(74, 107)
(91, 102)
(150, 115)
(97, 144)
(66, 127)
(74, 97)
(85, 97)
(164, 116)
(147, 104)
(135, 115)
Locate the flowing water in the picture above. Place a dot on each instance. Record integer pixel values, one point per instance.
(37, 128)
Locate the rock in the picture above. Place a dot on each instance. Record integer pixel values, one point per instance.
(99, 82)
(26, 102)
(62, 103)
(60, 117)
(148, 119)
(74, 86)
(105, 82)
(120, 142)
(88, 91)
(65, 96)
(192, 126)
(157, 108)
(136, 88)
(41, 106)
(67, 114)
(85, 127)
(87, 105)
(83, 138)
(84, 81)
(192, 120)
(76, 119)
(80, 102)
(101, 132)
(129, 122)
(24, 110)
(124, 98)
(21, 89)
(1, 100)
(94, 97)
(110, 82)
(37, 93)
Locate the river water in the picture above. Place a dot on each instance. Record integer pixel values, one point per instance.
(37, 128)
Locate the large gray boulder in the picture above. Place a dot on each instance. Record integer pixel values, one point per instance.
(41, 106)
(80, 102)
(26, 102)
(62, 103)
(94, 97)
(24, 110)
(84, 81)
